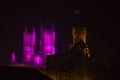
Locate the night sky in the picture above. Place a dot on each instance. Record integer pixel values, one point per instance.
(99, 17)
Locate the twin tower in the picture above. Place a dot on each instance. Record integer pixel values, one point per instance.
(46, 46)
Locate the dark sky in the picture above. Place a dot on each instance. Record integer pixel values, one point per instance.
(101, 19)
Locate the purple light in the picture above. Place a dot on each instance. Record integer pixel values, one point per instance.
(48, 48)
(49, 41)
(13, 58)
(37, 60)
(41, 40)
(46, 44)
(28, 56)
(41, 51)
(29, 46)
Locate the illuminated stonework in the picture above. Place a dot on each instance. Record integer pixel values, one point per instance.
(46, 46)
(46, 43)
(79, 35)
(13, 57)
(28, 46)
(37, 60)
(49, 41)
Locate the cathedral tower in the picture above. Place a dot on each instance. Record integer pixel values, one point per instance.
(28, 46)
(78, 34)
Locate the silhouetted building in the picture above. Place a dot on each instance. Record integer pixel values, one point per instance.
(77, 63)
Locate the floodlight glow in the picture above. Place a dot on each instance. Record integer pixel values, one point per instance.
(29, 46)
(46, 46)
(13, 58)
(49, 41)
(37, 60)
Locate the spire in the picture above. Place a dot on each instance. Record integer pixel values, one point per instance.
(53, 27)
(77, 12)
(13, 58)
(33, 29)
(45, 29)
(41, 26)
(26, 30)
(77, 17)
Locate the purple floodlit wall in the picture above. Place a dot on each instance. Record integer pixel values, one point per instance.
(46, 45)
(39, 62)
(28, 46)
(49, 41)
(41, 40)
(13, 58)
(41, 51)
(53, 39)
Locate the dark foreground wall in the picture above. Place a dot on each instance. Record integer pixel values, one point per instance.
(17, 73)
(75, 66)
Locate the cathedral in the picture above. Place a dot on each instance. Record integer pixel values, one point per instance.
(46, 47)
(76, 63)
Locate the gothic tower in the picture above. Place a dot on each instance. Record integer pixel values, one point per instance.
(79, 35)
(13, 58)
(28, 46)
(49, 41)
